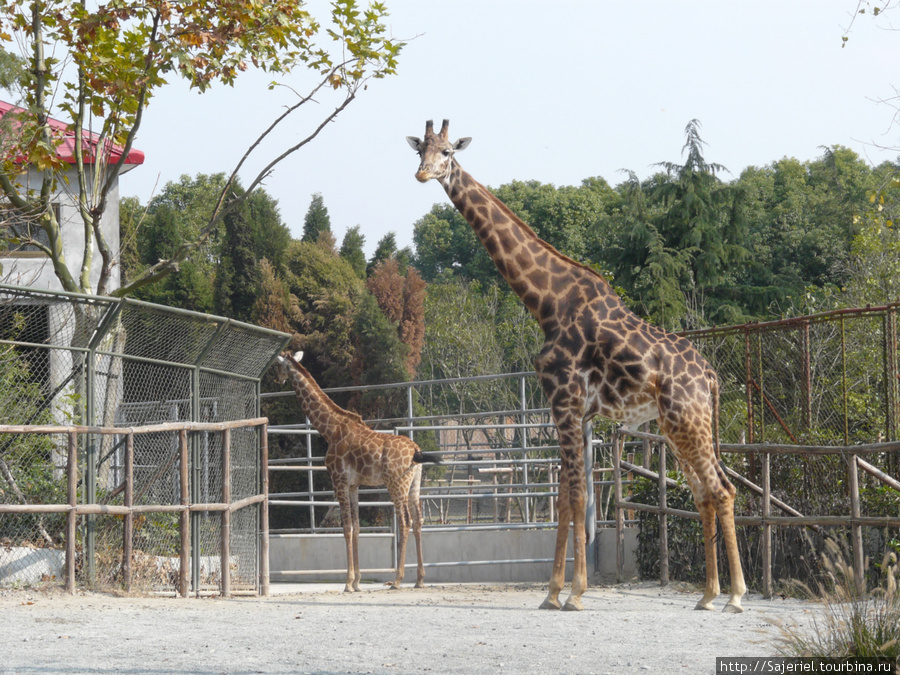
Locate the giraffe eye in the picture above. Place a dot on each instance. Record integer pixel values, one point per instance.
(445, 153)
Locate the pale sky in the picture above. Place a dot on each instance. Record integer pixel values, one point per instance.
(554, 91)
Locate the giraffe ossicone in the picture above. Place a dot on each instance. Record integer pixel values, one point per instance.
(358, 455)
(598, 358)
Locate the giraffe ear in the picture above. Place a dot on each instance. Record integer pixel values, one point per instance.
(462, 144)
(414, 143)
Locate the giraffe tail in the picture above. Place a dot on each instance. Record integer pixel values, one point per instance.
(427, 458)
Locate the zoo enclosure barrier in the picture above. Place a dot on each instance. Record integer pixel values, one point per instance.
(828, 380)
(71, 360)
(855, 520)
(129, 511)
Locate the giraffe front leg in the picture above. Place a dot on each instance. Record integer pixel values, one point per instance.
(342, 493)
(573, 453)
(711, 592)
(558, 576)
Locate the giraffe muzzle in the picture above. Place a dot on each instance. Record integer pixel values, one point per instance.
(423, 175)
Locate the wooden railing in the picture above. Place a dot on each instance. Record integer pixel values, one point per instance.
(129, 510)
(855, 520)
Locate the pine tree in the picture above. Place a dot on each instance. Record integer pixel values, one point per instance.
(352, 250)
(316, 220)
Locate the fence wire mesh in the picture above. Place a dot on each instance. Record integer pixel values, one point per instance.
(75, 360)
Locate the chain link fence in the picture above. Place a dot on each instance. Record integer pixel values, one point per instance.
(74, 360)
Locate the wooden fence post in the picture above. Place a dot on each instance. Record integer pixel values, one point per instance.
(183, 586)
(663, 520)
(264, 509)
(767, 527)
(128, 534)
(859, 573)
(225, 571)
(72, 516)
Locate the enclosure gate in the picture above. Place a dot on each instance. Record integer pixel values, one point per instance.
(88, 362)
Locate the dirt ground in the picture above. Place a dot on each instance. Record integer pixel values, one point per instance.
(630, 628)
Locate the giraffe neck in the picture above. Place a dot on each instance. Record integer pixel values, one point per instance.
(536, 271)
(316, 404)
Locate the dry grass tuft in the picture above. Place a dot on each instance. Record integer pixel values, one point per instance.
(855, 622)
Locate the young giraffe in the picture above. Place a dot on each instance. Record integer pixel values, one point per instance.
(356, 456)
(598, 358)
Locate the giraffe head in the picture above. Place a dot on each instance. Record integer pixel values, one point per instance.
(284, 366)
(435, 151)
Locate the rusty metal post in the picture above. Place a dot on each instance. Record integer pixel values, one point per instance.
(844, 383)
(748, 378)
(891, 375)
(807, 379)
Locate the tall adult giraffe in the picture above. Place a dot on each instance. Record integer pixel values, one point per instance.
(598, 358)
(358, 455)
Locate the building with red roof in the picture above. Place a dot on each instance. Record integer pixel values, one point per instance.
(27, 266)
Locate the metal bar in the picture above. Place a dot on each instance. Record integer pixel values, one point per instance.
(620, 514)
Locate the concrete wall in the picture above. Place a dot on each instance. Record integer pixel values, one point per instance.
(290, 553)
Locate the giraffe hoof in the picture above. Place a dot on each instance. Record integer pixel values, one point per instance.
(708, 606)
(550, 604)
(733, 609)
(573, 605)
(420, 584)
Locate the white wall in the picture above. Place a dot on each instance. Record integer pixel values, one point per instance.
(292, 552)
(37, 272)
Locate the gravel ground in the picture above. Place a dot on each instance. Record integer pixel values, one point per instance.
(630, 628)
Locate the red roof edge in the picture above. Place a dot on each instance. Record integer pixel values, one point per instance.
(66, 150)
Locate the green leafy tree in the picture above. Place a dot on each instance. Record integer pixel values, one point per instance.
(237, 277)
(316, 220)
(98, 66)
(327, 293)
(13, 71)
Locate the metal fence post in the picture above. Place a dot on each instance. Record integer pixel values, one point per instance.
(524, 436)
(590, 519)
